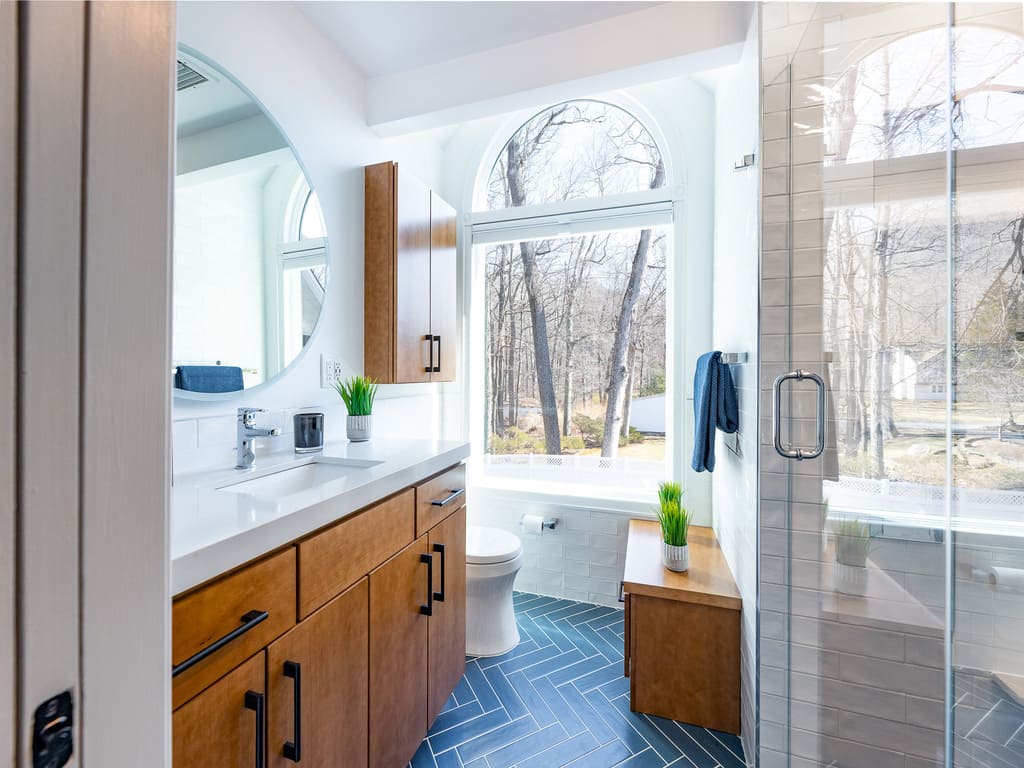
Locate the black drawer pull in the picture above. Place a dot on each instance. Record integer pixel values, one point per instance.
(455, 493)
(250, 620)
(293, 749)
(257, 703)
(437, 368)
(439, 596)
(428, 609)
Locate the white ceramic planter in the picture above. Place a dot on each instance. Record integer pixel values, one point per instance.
(849, 579)
(359, 428)
(675, 558)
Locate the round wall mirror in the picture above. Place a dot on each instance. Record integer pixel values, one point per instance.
(250, 249)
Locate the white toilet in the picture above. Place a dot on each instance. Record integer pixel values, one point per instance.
(493, 558)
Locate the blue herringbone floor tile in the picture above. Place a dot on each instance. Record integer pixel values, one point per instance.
(559, 699)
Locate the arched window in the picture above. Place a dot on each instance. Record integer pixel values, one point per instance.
(895, 101)
(303, 268)
(578, 149)
(575, 251)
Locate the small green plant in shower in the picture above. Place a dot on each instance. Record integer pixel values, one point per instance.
(357, 393)
(853, 540)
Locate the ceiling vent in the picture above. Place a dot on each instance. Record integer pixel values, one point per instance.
(188, 77)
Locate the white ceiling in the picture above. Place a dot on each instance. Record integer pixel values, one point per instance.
(382, 38)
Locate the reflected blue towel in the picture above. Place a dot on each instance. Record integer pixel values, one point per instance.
(714, 405)
(209, 378)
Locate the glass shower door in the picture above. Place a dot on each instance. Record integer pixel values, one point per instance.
(891, 283)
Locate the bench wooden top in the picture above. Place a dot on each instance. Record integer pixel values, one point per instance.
(708, 582)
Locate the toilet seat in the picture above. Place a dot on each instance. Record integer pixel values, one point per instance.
(488, 546)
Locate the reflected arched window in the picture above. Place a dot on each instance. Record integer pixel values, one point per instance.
(578, 149)
(311, 218)
(895, 101)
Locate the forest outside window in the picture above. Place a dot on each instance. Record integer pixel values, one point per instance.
(576, 383)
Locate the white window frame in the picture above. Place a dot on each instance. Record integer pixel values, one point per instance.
(662, 207)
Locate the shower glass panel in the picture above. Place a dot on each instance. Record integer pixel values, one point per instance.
(987, 386)
(892, 568)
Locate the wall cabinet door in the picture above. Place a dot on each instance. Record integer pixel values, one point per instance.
(409, 275)
(447, 644)
(443, 288)
(225, 725)
(399, 591)
(317, 681)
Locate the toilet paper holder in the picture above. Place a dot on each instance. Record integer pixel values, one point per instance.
(548, 523)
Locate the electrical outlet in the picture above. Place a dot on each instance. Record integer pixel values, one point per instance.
(330, 373)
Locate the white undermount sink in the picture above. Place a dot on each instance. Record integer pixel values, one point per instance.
(301, 478)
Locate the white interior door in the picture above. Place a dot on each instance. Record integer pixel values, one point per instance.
(90, 344)
(8, 416)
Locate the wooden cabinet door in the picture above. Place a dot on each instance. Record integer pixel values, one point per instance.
(218, 728)
(413, 347)
(446, 660)
(398, 656)
(443, 288)
(321, 666)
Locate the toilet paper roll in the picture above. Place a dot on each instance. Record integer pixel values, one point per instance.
(1007, 578)
(533, 525)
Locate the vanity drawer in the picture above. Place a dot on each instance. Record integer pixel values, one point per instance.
(439, 496)
(337, 557)
(220, 625)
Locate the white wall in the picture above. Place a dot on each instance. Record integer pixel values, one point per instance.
(317, 98)
(734, 481)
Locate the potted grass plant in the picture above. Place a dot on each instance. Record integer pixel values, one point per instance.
(357, 393)
(675, 525)
(853, 541)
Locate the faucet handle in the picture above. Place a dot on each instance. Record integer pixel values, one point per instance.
(245, 411)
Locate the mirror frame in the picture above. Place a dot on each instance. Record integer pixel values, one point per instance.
(222, 397)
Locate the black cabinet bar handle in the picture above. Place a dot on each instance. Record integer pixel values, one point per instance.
(455, 493)
(293, 749)
(437, 368)
(257, 703)
(249, 620)
(430, 343)
(428, 609)
(439, 596)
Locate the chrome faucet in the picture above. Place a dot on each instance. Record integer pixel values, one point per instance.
(246, 430)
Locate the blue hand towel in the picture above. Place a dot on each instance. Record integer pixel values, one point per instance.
(209, 378)
(714, 405)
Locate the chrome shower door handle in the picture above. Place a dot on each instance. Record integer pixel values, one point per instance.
(790, 452)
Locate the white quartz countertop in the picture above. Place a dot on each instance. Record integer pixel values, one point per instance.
(214, 530)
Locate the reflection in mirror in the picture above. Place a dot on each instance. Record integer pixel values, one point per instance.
(250, 248)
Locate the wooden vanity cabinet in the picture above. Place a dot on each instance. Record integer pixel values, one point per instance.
(409, 327)
(223, 727)
(418, 628)
(317, 687)
(446, 642)
(359, 675)
(398, 656)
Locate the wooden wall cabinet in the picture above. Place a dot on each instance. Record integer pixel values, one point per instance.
(410, 323)
(356, 678)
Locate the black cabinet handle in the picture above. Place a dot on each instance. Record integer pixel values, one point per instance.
(455, 493)
(428, 609)
(257, 703)
(249, 620)
(293, 749)
(430, 343)
(439, 596)
(437, 368)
